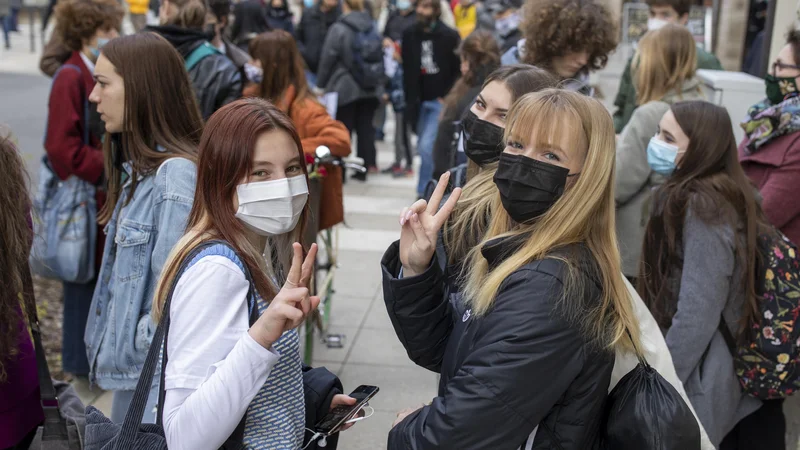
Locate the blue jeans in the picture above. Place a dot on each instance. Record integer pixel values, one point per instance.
(77, 301)
(427, 126)
(122, 401)
(5, 24)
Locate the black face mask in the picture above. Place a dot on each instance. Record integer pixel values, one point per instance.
(483, 141)
(528, 188)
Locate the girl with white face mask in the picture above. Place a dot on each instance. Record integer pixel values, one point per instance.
(232, 344)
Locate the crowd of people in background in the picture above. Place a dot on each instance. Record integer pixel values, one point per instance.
(553, 245)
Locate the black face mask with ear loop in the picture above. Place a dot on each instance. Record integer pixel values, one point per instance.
(483, 141)
(528, 188)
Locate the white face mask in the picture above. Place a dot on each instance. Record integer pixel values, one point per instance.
(272, 208)
(654, 23)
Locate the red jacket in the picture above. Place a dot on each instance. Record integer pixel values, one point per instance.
(66, 124)
(775, 170)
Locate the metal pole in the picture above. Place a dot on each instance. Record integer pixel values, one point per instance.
(32, 32)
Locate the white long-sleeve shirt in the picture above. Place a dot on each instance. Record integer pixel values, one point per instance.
(214, 368)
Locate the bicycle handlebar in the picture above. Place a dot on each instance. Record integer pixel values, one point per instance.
(324, 156)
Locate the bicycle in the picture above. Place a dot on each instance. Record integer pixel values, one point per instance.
(326, 263)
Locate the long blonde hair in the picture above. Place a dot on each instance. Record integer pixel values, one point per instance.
(666, 58)
(583, 215)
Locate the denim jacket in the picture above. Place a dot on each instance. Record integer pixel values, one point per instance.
(139, 237)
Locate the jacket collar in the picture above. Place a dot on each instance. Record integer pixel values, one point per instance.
(499, 249)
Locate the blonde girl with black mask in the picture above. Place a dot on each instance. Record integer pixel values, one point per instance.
(530, 361)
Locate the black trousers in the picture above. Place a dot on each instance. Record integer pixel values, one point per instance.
(357, 117)
(765, 429)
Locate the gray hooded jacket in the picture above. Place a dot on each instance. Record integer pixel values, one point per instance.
(336, 62)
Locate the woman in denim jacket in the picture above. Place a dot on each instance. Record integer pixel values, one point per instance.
(144, 96)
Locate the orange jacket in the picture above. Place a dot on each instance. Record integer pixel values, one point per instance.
(316, 128)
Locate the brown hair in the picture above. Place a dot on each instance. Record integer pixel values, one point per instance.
(467, 224)
(355, 5)
(482, 52)
(665, 59)
(282, 66)
(710, 181)
(191, 14)
(160, 111)
(793, 39)
(226, 156)
(680, 6)
(553, 28)
(16, 239)
(78, 20)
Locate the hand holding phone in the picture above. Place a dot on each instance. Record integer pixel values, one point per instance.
(337, 418)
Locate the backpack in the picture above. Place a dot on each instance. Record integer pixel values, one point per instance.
(197, 55)
(368, 68)
(768, 363)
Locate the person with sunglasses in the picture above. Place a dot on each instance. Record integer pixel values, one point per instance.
(770, 151)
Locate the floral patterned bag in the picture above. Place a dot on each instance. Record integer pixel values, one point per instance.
(768, 363)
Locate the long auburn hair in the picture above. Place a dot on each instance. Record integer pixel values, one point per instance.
(282, 65)
(226, 157)
(482, 52)
(710, 181)
(15, 236)
(585, 214)
(468, 222)
(160, 111)
(665, 59)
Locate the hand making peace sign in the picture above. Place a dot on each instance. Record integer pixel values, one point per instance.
(420, 224)
(292, 304)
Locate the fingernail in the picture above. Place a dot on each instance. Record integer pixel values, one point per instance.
(415, 218)
(402, 220)
(409, 214)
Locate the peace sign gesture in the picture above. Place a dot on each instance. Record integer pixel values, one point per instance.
(292, 304)
(420, 228)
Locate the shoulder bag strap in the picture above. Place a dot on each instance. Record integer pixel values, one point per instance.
(238, 433)
(133, 417)
(54, 425)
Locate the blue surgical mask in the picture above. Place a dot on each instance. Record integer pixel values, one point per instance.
(403, 5)
(96, 50)
(254, 73)
(661, 156)
(308, 3)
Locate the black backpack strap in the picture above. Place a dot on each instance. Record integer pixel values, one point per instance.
(133, 418)
(54, 427)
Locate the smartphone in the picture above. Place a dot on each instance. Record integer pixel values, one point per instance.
(338, 416)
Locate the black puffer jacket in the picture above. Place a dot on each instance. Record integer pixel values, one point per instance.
(215, 79)
(521, 368)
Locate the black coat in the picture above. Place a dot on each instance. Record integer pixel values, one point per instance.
(319, 388)
(249, 20)
(398, 23)
(216, 79)
(311, 31)
(521, 365)
(445, 42)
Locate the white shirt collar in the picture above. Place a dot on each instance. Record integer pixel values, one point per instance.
(88, 62)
